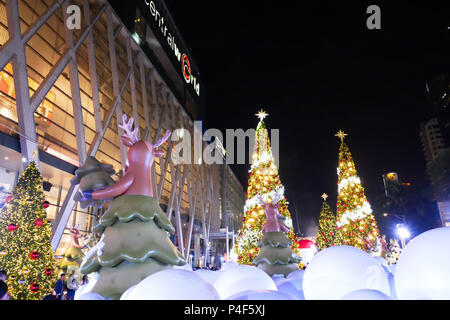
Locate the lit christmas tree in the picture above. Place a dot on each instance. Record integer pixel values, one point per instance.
(327, 232)
(356, 224)
(25, 250)
(264, 180)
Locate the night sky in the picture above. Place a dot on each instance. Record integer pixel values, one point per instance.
(316, 68)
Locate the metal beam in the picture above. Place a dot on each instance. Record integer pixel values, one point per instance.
(178, 215)
(193, 189)
(75, 91)
(132, 85)
(25, 115)
(92, 69)
(63, 215)
(115, 78)
(144, 91)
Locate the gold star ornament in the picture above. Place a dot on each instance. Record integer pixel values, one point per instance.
(324, 196)
(341, 135)
(261, 114)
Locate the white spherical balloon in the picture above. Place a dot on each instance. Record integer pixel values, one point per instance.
(242, 278)
(173, 284)
(127, 293)
(297, 274)
(87, 287)
(208, 275)
(90, 296)
(423, 268)
(293, 287)
(277, 278)
(186, 266)
(382, 261)
(391, 268)
(336, 271)
(366, 294)
(261, 295)
(229, 265)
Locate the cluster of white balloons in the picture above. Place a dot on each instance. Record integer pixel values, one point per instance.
(342, 272)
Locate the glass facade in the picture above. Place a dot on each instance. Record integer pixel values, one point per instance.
(54, 117)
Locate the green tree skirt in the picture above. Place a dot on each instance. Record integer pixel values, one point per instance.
(135, 244)
(275, 256)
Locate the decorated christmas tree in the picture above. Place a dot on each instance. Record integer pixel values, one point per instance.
(25, 250)
(356, 224)
(264, 180)
(327, 235)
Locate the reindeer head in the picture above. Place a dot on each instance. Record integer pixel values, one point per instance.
(74, 233)
(270, 205)
(140, 150)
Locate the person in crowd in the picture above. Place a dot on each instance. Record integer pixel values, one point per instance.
(84, 280)
(3, 275)
(59, 288)
(72, 286)
(4, 295)
(49, 297)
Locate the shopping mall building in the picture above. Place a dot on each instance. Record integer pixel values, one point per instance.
(63, 90)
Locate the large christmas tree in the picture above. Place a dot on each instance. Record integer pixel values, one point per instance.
(356, 224)
(327, 235)
(264, 180)
(25, 250)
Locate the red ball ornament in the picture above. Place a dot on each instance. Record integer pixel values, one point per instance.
(12, 227)
(34, 287)
(46, 204)
(34, 255)
(250, 255)
(8, 199)
(39, 222)
(48, 271)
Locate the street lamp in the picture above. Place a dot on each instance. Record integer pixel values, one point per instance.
(403, 233)
(401, 217)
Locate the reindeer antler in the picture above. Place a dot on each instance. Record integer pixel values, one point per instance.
(162, 140)
(261, 200)
(278, 195)
(127, 126)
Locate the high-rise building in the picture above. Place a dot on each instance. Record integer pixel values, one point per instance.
(435, 134)
(438, 96)
(431, 138)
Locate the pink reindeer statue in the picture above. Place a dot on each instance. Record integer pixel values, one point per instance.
(134, 229)
(140, 159)
(271, 209)
(75, 235)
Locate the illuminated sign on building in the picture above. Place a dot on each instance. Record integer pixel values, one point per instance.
(182, 58)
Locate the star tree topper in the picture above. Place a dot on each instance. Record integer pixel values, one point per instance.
(324, 196)
(341, 135)
(261, 115)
